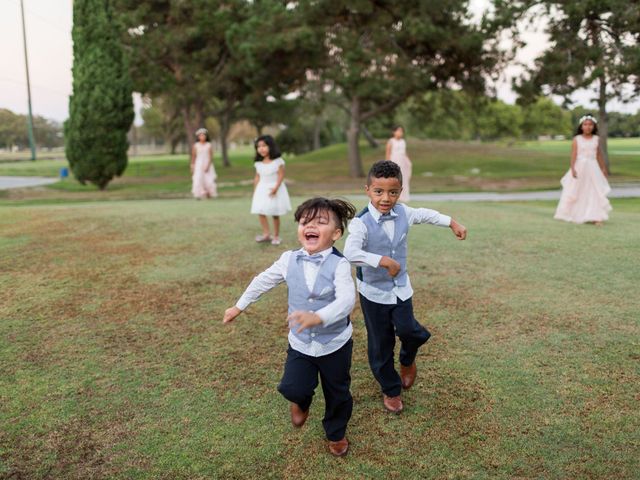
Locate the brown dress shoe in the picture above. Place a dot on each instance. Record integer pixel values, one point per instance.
(408, 375)
(393, 404)
(298, 417)
(339, 448)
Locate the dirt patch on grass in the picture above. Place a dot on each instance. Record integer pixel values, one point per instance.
(78, 448)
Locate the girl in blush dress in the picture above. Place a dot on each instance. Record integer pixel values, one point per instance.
(585, 186)
(203, 173)
(397, 153)
(270, 195)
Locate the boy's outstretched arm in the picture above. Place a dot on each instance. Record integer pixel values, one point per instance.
(262, 283)
(433, 217)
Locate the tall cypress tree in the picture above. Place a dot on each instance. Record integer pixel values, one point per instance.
(100, 108)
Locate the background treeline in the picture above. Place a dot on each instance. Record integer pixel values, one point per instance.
(442, 115)
(13, 131)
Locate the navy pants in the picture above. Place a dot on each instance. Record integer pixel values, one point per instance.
(383, 323)
(300, 380)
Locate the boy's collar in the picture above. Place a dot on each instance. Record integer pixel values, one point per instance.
(325, 253)
(376, 214)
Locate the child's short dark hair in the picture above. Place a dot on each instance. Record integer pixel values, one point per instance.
(274, 151)
(384, 169)
(343, 210)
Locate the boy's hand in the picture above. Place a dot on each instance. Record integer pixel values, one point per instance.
(458, 229)
(304, 320)
(230, 314)
(391, 265)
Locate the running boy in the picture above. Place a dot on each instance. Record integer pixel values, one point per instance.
(377, 245)
(321, 297)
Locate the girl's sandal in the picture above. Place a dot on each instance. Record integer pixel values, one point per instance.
(263, 238)
(276, 241)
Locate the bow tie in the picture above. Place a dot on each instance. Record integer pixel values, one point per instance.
(386, 218)
(316, 258)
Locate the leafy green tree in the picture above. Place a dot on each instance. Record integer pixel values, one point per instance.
(162, 120)
(378, 54)
(12, 129)
(543, 117)
(100, 108)
(178, 51)
(442, 115)
(624, 125)
(499, 120)
(214, 58)
(593, 45)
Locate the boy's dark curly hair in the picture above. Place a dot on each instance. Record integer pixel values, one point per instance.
(384, 169)
(342, 210)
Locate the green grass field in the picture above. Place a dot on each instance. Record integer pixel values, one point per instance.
(114, 362)
(438, 167)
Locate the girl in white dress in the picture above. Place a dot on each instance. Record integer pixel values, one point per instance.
(270, 195)
(397, 152)
(203, 173)
(585, 186)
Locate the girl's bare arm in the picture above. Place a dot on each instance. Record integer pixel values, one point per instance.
(280, 179)
(574, 156)
(600, 158)
(387, 155)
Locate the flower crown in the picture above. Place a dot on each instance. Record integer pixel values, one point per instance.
(201, 131)
(588, 116)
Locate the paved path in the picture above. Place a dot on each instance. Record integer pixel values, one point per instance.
(617, 191)
(621, 191)
(22, 182)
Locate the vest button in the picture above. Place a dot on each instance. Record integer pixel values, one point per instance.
(313, 334)
(311, 300)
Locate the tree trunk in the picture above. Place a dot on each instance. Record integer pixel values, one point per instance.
(373, 143)
(317, 128)
(225, 126)
(353, 137)
(191, 124)
(173, 142)
(603, 121)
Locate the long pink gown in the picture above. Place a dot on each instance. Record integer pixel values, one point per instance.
(584, 199)
(203, 182)
(399, 156)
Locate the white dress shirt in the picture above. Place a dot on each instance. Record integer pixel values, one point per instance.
(353, 250)
(336, 310)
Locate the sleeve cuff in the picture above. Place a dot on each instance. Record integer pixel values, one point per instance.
(325, 321)
(374, 260)
(242, 304)
(444, 221)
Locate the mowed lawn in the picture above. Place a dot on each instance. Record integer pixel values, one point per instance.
(438, 166)
(114, 362)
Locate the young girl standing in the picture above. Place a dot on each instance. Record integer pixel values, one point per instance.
(203, 173)
(585, 186)
(397, 153)
(270, 195)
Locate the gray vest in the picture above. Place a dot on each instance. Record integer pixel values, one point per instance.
(322, 294)
(378, 242)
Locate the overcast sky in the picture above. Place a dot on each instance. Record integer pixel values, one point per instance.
(50, 58)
